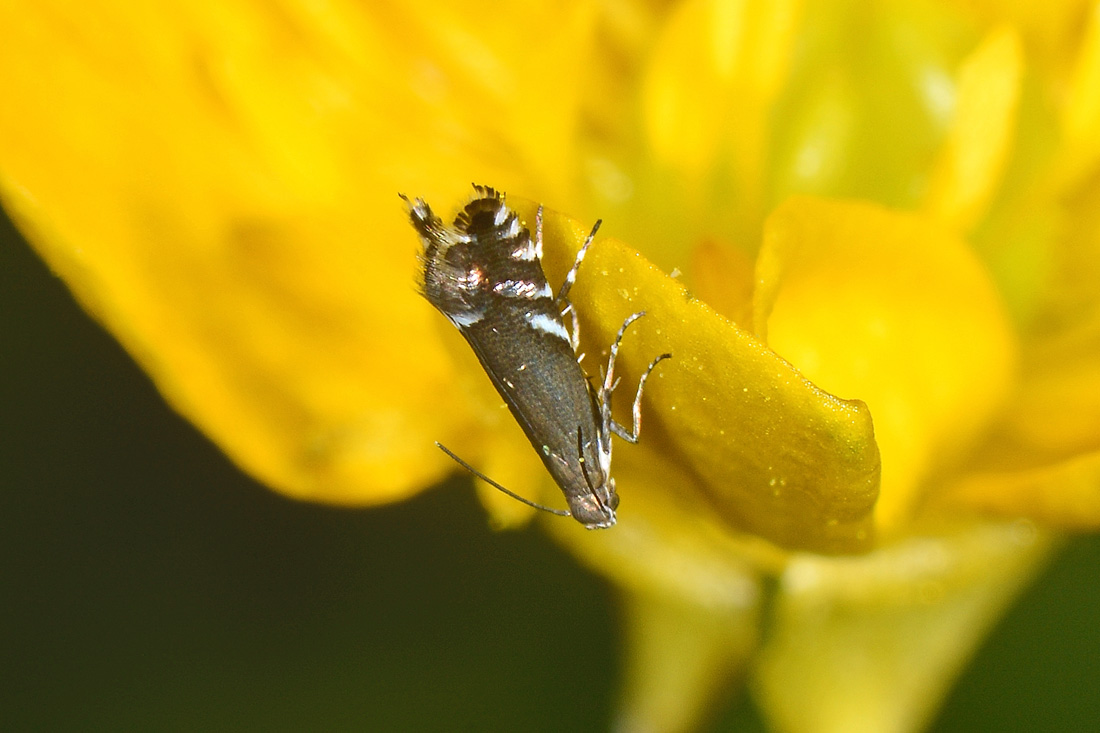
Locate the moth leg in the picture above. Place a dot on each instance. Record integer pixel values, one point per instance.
(632, 437)
(609, 375)
(610, 383)
(538, 234)
(607, 423)
(572, 276)
(574, 330)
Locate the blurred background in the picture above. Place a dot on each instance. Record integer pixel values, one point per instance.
(147, 584)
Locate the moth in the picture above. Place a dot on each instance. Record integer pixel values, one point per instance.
(484, 273)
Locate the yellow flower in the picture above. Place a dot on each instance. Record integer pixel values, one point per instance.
(884, 401)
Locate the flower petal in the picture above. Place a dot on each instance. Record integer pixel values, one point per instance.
(1043, 462)
(218, 185)
(680, 657)
(872, 643)
(713, 75)
(1081, 113)
(740, 433)
(868, 101)
(896, 310)
(1065, 494)
(722, 277)
(1056, 413)
(973, 158)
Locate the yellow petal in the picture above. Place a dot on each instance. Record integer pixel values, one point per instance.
(1066, 494)
(1050, 28)
(217, 184)
(1056, 413)
(730, 429)
(1081, 112)
(680, 658)
(895, 310)
(1068, 325)
(722, 277)
(868, 101)
(973, 158)
(218, 261)
(871, 644)
(1043, 462)
(713, 75)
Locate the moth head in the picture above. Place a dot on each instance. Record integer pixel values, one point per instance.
(594, 512)
(595, 508)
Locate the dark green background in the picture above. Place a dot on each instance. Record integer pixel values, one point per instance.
(146, 584)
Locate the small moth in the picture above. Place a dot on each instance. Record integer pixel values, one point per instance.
(484, 273)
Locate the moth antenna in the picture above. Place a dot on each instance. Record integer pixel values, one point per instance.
(495, 485)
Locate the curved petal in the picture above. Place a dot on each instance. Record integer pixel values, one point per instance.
(974, 157)
(218, 185)
(713, 75)
(872, 643)
(731, 430)
(1081, 113)
(1064, 494)
(680, 658)
(896, 310)
(1043, 460)
(1056, 412)
(867, 103)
